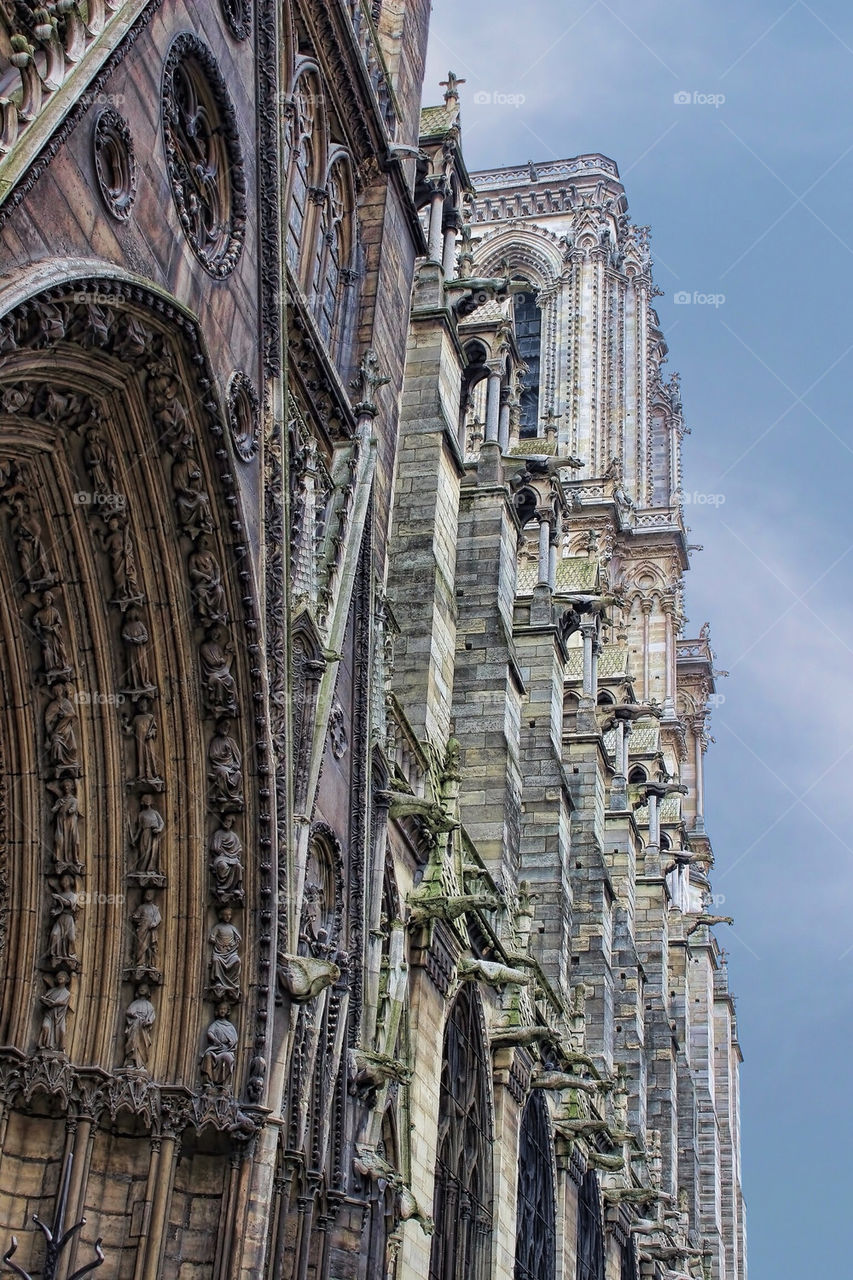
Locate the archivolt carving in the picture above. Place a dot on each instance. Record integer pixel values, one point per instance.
(135, 644)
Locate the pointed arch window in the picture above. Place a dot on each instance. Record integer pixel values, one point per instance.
(332, 260)
(528, 336)
(305, 137)
(462, 1207)
(535, 1249)
(590, 1231)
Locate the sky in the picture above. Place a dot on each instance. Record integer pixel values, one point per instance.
(732, 127)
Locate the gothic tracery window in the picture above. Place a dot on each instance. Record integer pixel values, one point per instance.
(305, 125)
(590, 1231)
(528, 336)
(333, 253)
(462, 1207)
(535, 1249)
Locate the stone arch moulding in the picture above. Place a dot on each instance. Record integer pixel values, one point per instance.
(135, 744)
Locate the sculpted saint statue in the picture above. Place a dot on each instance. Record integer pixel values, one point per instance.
(138, 1028)
(147, 836)
(146, 921)
(220, 1056)
(225, 775)
(66, 826)
(56, 1005)
(225, 963)
(226, 869)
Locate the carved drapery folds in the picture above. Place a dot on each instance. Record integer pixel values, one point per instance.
(128, 642)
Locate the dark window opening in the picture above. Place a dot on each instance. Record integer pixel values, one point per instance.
(535, 1249)
(528, 335)
(590, 1231)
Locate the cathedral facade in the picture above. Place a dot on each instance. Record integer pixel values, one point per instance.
(355, 904)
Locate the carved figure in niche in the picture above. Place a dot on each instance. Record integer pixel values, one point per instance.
(51, 321)
(100, 462)
(147, 836)
(118, 544)
(60, 719)
(206, 585)
(66, 827)
(26, 532)
(56, 1003)
(220, 1056)
(313, 931)
(146, 921)
(338, 737)
(226, 869)
(143, 729)
(48, 626)
(62, 939)
(167, 411)
(134, 342)
(216, 656)
(191, 500)
(225, 776)
(138, 1029)
(135, 637)
(225, 962)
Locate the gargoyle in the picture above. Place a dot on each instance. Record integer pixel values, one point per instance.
(450, 908)
(404, 805)
(492, 973)
(473, 291)
(373, 1070)
(304, 977)
(698, 921)
(562, 1080)
(503, 1037)
(612, 1164)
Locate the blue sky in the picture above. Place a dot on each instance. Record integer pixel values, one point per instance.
(750, 198)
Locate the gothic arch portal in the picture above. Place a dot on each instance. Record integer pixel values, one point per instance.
(134, 996)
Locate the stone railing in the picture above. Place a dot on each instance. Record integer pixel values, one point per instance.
(407, 753)
(371, 53)
(47, 58)
(520, 175)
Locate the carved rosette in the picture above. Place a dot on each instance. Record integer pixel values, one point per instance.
(244, 415)
(238, 17)
(203, 155)
(115, 163)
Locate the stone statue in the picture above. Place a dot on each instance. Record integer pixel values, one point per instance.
(225, 772)
(146, 921)
(62, 939)
(100, 463)
(26, 532)
(206, 584)
(226, 869)
(138, 1029)
(48, 626)
(167, 411)
(216, 657)
(147, 836)
(225, 962)
(60, 719)
(134, 637)
(56, 1004)
(304, 977)
(220, 1056)
(66, 827)
(118, 544)
(143, 729)
(191, 500)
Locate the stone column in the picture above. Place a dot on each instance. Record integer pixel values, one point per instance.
(646, 606)
(699, 767)
(669, 675)
(544, 550)
(493, 401)
(448, 256)
(589, 632)
(503, 421)
(435, 239)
